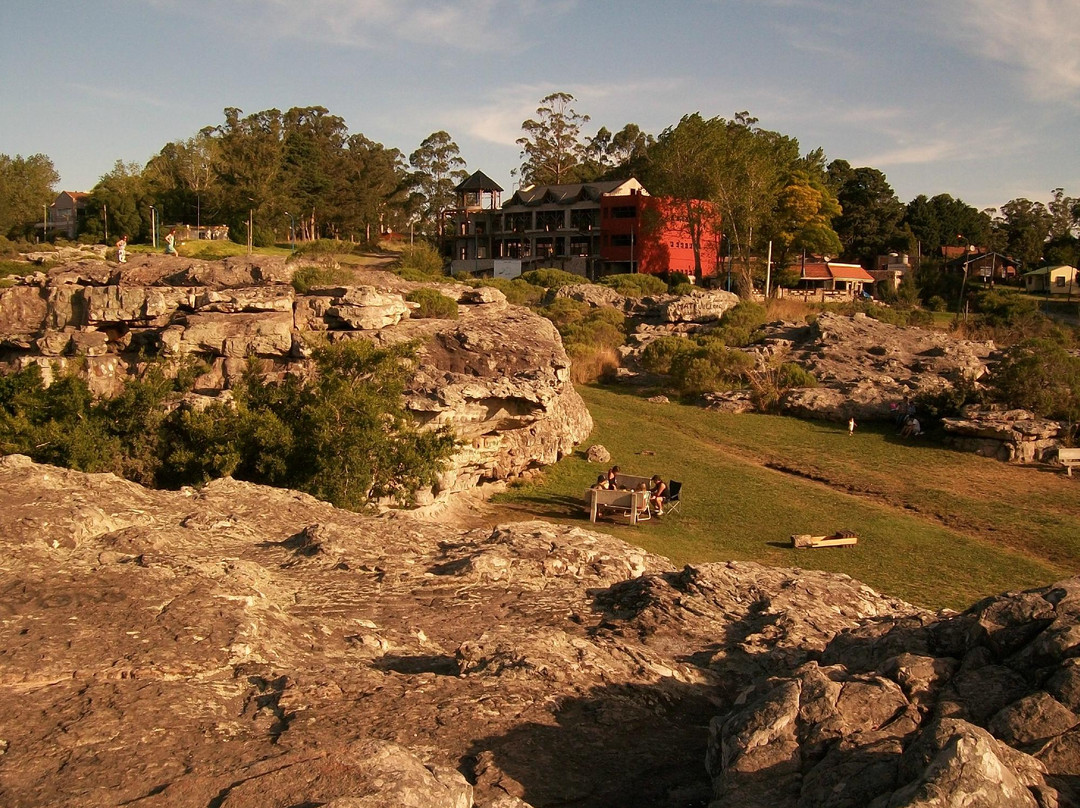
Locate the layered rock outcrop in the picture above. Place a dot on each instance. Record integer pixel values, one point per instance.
(864, 367)
(244, 646)
(498, 375)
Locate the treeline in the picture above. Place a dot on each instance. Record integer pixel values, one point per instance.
(302, 173)
(342, 436)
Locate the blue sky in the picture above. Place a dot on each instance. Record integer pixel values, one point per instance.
(976, 98)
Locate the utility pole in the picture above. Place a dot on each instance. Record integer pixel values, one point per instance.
(768, 270)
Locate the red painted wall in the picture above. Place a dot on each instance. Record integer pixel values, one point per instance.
(657, 236)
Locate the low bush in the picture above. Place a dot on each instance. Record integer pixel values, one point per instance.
(1039, 375)
(421, 262)
(551, 278)
(433, 304)
(517, 291)
(310, 277)
(635, 285)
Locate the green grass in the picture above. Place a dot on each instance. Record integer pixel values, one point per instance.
(936, 527)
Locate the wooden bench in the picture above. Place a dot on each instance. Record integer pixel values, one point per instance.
(1069, 458)
(629, 503)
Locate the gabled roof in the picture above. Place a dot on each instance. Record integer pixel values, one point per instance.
(1050, 270)
(478, 181)
(833, 270)
(532, 195)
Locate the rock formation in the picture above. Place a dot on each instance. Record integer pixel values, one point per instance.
(498, 375)
(864, 366)
(244, 646)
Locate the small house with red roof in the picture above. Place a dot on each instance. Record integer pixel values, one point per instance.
(831, 280)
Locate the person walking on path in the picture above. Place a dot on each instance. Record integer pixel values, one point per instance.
(170, 243)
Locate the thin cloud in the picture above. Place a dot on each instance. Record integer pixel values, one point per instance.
(1041, 38)
(469, 25)
(122, 96)
(932, 148)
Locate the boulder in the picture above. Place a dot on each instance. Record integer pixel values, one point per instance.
(1012, 436)
(498, 375)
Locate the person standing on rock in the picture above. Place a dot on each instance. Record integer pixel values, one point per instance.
(121, 249)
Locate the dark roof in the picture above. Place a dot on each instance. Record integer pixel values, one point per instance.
(563, 194)
(478, 181)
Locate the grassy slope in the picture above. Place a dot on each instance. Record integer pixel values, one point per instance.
(936, 527)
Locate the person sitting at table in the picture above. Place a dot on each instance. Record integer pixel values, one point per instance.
(643, 511)
(602, 483)
(659, 494)
(612, 473)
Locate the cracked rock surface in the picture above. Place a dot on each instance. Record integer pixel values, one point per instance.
(245, 646)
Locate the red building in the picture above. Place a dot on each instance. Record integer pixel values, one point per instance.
(655, 235)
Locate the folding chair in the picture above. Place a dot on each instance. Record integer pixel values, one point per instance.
(672, 501)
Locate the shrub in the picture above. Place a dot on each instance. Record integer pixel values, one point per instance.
(433, 304)
(551, 278)
(1042, 376)
(343, 436)
(310, 277)
(421, 261)
(517, 291)
(591, 362)
(679, 284)
(937, 303)
(660, 353)
(737, 326)
(636, 285)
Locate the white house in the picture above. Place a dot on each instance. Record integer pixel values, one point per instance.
(1059, 280)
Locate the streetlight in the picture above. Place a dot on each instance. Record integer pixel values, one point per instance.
(44, 222)
(963, 283)
(292, 231)
(153, 226)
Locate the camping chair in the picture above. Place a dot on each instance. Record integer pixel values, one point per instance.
(672, 502)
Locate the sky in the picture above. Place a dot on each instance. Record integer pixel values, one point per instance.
(979, 99)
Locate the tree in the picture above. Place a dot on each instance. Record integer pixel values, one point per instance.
(551, 149)
(184, 176)
(26, 185)
(803, 222)
(618, 155)
(311, 169)
(936, 222)
(376, 188)
(870, 222)
(251, 150)
(437, 170)
(122, 198)
(1024, 227)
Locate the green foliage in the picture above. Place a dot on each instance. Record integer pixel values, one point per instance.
(26, 185)
(310, 277)
(738, 324)
(421, 262)
(709, 366)
(679, 284)
(635, 285)
(433, 304)
(660, 353)
(937, 303)
(343, 436)
(517, 291)
(551, 278)
(1039, 375)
